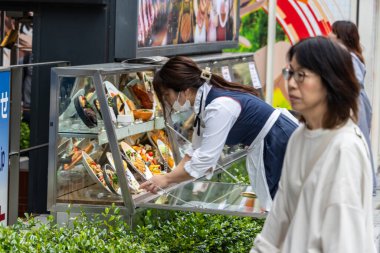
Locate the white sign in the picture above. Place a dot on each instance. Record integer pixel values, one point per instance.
(254, 76)
(4, 143)
(226, 73)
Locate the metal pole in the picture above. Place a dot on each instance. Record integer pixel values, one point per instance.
(270, 50)
(369, 25)
(2, 33)
(354, 11)
(114, 146)
(53, 129)
(14, 146)
(15, 48)
(376, 97)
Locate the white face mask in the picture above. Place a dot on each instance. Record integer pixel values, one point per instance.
(181, 108)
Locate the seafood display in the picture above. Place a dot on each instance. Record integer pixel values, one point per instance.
(158, 135)
(118, 104)
(111, 179)
(85, 111)
(136, 160)
(94, 170)
(166, 154)
(76, 155)
(132, 182)
(142, 89)
(85, 164)
(141, 160)
(150, 157)
(132, 101)
(160, 140)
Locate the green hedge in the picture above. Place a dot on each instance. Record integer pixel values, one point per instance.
(158, 232)
(24, 135)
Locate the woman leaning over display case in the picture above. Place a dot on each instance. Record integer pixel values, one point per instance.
(226, 113)
(324, 200)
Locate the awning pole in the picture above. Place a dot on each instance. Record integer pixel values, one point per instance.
(270, 51)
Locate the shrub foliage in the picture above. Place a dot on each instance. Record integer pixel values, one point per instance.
(157, 232)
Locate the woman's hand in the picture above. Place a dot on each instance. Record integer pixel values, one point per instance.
(155, 183)
(161, 181)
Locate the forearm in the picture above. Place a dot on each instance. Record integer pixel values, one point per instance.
(179, 174)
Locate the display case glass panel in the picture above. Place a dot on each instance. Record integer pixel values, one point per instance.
(209, 197)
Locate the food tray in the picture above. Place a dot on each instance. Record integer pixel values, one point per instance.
(82, 115)
(96, 176)
(132, 182)
(132, 156)
(166, 154)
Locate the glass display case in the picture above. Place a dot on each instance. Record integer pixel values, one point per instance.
(108, 135)
(235, 67)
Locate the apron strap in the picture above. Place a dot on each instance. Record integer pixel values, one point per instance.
(266, 128)
(197, 121)
(255, 163)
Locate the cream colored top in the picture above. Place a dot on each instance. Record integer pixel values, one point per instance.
(324, 201)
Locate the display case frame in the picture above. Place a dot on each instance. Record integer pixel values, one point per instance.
(128, 203)
(229, 60)
(96, 72)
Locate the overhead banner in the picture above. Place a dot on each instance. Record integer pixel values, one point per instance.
(4, 143)
(163, 22)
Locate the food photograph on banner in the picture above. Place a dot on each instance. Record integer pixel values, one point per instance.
(162, 23)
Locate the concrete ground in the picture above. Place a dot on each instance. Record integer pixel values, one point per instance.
(376, 215)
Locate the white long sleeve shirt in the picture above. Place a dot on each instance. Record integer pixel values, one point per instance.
(217, 119)
(324, 200)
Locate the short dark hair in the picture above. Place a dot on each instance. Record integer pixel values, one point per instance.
(334, 66)
(347, 32)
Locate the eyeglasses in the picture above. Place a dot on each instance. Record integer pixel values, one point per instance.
(299, 76)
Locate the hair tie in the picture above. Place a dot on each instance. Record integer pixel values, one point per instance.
(206, 74)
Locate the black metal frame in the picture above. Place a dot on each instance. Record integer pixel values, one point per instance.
(14, 145)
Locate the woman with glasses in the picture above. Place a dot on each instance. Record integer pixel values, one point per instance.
(346, 34)
(226, 113)
(324, 200)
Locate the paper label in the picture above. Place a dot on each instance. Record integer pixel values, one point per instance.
(226, 73)
(254, 76)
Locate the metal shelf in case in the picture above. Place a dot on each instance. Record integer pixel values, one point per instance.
(134, 128)
(121, 131)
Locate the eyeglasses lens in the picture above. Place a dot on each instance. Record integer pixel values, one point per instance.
(287, 73)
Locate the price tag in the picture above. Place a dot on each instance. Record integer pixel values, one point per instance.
(254, 76)
(226, 73)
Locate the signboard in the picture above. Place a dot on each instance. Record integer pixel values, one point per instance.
(4, 143)
(146, 28)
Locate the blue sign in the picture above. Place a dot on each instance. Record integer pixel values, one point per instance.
(5, 95)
